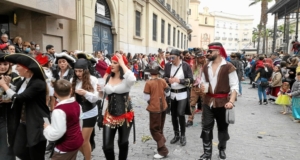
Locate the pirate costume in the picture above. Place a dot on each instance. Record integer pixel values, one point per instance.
(69, 73)
(29, 101)
(119, 115)
(180, 95)
(220, 85)
(155, 93)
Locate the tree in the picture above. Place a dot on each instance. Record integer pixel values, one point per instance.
(254, 36)
(263, 19)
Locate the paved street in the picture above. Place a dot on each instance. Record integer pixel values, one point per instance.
(260, 132)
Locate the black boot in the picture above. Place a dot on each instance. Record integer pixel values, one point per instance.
(182, 139)
(207, 147)
(123, 151)
(109, 154)
(265, 102)
(222, 148)
(189, 123)
(176, 138)
(260, 103)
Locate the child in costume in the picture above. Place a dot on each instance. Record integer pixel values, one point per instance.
(295, 93)
(283, 98)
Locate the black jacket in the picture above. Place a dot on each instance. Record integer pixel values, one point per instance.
(188, 74)
(34, 99)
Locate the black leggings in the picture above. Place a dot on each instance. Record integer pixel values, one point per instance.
(109, 137)
(178, 112)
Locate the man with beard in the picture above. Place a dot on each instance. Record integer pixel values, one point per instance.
(222, 91)
(178, 75)
(188, 58)
(196, 93)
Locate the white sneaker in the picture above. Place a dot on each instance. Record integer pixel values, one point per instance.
(158, 156)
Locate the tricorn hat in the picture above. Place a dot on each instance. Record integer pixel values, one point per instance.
(28, 62)
(65, 56)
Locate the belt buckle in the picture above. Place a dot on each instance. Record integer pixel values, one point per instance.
(175, 90)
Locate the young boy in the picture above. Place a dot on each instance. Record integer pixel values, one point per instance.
(155, 92)
(65, 127)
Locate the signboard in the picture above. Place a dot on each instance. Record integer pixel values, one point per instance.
(100, 9)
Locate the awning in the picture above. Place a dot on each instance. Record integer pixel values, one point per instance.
(284, 7)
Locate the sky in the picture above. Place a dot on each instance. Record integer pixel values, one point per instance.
(236, 7)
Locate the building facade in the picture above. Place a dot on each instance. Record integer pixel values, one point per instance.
(233, 31)
(136, 26)
(203, 25)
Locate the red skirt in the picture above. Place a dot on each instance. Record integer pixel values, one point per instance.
(274, 91)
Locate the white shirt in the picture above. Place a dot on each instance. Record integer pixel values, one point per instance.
(122, 87)
(65, 74)
(58, 125)
(10, 92)
(179, 75)
(213, 79)
(92, 97)
(49, 75)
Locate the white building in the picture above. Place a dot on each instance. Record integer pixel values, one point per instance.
(233, 31)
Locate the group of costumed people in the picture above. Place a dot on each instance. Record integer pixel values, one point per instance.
(182, 84)
(71, 92)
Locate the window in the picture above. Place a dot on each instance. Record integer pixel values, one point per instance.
(162, 33)
(137, 23)
(181, 40)
(174, 36)
(178, 38)
(169, 34)
(154, 29)
(205, 20)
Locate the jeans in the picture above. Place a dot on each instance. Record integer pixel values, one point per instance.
(240, 87)
(262, 90)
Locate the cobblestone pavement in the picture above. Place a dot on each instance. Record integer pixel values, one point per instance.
(260, 132)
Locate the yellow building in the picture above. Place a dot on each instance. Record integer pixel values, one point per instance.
(203, 25)
(136, 26)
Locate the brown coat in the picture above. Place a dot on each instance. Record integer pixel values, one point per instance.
(222, 86)
(276, 80)
(155, 88)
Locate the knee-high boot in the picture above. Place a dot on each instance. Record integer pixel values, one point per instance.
(109, 154)
(223, 138)
(123, 150)
(207, 137)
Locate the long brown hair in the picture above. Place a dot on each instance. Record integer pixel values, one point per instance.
(86, 82)
(197, 65)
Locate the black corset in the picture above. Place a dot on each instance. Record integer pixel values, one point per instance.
(118, 104)
(85, 104)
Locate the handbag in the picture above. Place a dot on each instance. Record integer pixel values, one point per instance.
(264, 84)
(230, 116)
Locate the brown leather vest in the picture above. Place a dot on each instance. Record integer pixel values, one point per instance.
(222, 86)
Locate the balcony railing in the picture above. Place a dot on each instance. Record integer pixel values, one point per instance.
(162, 2)
(236, 39)
(168, 7)
(245, 39)
(217, 38)
(173, 12)
(230, 39)
(224, 38)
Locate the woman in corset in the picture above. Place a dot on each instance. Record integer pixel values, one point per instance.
(118, 116)
(84, 87)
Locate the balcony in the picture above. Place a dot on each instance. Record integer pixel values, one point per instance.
(217, 38)
(162, 2)
(224, 38)
(236, 39)
(245, 39)
(189, 28)
(230, 39)
(168, 7)
(173, 12)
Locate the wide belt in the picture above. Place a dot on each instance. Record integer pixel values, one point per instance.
(178, 90)
(218, 95)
